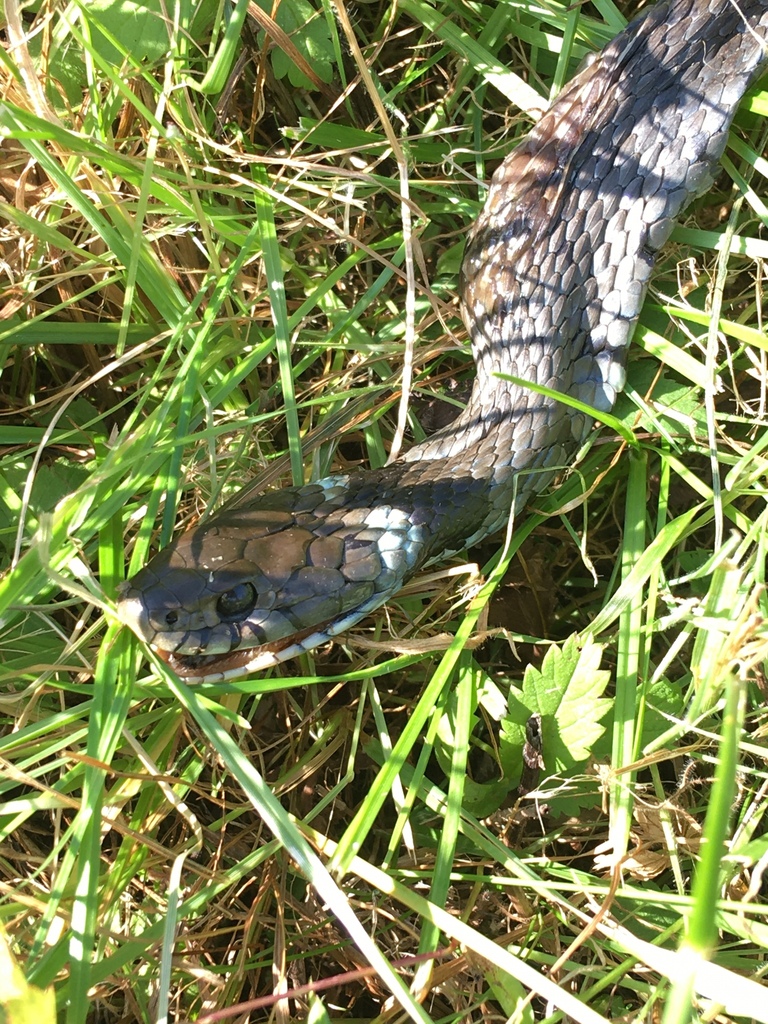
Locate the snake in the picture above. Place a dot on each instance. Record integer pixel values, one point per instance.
(553, 279)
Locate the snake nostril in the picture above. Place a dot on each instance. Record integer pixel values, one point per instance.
(171, 618)
(238, 601)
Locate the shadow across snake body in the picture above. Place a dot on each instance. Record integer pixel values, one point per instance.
(553, 280)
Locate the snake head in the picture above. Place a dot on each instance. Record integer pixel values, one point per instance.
(252, 587)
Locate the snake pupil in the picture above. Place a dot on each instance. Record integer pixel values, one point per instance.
(236, 602)
(172, 618)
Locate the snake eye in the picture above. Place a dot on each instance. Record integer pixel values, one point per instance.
(234, 603)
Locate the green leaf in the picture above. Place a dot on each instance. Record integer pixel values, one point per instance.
(141, 29)
(309, 34)
(567, 693)
(664, 705)
(675, 408)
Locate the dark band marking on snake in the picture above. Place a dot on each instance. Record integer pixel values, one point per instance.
(553, 280)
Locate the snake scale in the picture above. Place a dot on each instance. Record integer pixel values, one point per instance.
(553, 279)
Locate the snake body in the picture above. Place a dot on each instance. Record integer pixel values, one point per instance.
(553, 280)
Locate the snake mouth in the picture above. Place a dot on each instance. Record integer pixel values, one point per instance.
(199, 668)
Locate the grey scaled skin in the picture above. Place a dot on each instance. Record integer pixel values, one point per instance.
(553, 280)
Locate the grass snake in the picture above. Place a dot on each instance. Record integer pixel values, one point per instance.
(554, 276)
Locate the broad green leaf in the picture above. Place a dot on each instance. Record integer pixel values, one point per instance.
(567, 693)
(308, 31)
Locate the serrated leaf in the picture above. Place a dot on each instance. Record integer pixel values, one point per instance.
(567, 693)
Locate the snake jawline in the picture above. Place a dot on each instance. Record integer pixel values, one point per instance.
(553, 280)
